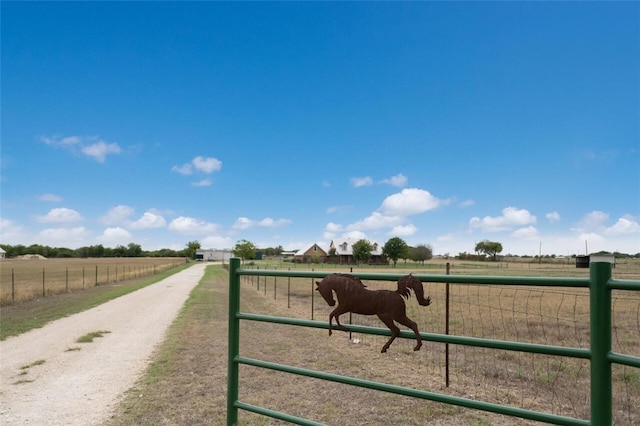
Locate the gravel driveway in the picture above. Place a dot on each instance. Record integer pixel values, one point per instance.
(46, 377)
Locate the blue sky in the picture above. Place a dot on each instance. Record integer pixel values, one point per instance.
(291, 123)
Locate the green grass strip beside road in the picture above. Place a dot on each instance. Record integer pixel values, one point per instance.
(18, 319)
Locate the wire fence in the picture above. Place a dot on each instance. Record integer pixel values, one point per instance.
(25, 280)
(550, 316)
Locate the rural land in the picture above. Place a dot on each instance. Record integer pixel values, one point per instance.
(181, 378)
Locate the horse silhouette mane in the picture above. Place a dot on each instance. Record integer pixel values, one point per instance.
(388, 305)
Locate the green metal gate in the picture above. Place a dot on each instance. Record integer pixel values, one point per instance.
(599, 354)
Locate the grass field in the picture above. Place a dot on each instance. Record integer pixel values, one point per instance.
(22, 280)
(557, 316)
(186, 382)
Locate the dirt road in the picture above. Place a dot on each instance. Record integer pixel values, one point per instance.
(46, 377)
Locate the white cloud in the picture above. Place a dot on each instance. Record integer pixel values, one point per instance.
(112, 237)
(376, 221)
(203, 182)
(398, 180)
(216, 241)
(409, 202)
(246, 223)
(594, 223)
(63, 237)
(624, 226)
(511, 217)
(185, 169)
(270, 223)
(403, 230)
(594, 220)
(100, 150)
(91, 146)
(117, 215)
(50, 197)
(190, 226)
(202, 164)
(206, 164)
(355, 235)
(71, 140)
(338, 209)
(591, 238)
(553, 217)
(60, 215)
(357, 182)
(526, 233)
(149, 220)
(10, 231)
(331, 230)
(243, 223)
(55, 140)
(467, 203)
(333, 227)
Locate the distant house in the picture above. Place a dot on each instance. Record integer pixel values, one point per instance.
(339, 251)
(312, 254)
(2, 253)
(344, 252)
(213, 255)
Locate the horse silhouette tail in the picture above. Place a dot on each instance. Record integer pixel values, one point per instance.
(408, 283)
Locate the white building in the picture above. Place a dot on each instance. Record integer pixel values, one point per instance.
(213, 255)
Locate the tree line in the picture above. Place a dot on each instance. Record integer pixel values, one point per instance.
(130, 250)
(394, 249)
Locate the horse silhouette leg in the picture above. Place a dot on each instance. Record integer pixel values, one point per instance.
(413, 326)
(395, 331)
(336, 314)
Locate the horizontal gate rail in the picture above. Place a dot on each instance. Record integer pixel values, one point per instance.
(415, 393)
(599, 353)
(434, 337)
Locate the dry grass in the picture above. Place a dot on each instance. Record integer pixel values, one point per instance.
(23, 280)
(187, 382)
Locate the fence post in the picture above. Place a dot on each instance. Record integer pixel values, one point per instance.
(234, 342)
(43, 290)
(600, 313)
(446, 328)
(13, 286)
(96, 275)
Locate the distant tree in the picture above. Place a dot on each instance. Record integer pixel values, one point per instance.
(361, 250)
(394, 249)
(65, 252)
(422, 252)
(38, 249)
(273, 251)
(190, 251)
(490, 248)
(165, 252)
(245, 250)
(120, 251)
(92, 251)
(134, 250)
(332, 254)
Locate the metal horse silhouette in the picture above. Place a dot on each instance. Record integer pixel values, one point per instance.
(388, 305)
